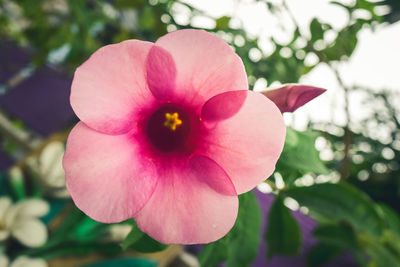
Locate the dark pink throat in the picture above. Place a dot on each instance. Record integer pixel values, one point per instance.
(169, 128)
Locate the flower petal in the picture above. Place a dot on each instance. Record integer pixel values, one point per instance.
(50, 165)
(109, 86)
(32, 208)
(23, 261)
(231, 102)
(248, 144)
(31, 232)
(5, 203)
(292, 96)
(3, 260)
(205, 65)
(4, 234)
(193, 203)
(105, 175)
(160, 73)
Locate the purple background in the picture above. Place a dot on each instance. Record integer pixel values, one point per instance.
(42, 100)
(307, 225)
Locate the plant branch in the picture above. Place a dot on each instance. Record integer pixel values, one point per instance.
(23, 138)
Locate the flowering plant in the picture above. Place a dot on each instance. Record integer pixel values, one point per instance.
(60, 35)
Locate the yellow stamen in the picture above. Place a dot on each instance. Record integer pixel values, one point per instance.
(172, 120)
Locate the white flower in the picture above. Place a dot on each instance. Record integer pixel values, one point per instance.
(3, 260)
(22, 261)
(117, 233)
(21, 221)
(47, 167)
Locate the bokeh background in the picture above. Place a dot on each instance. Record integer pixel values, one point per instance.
(334, 199)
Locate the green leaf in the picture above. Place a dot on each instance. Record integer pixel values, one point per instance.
(240, 246)
(391, 218)
(344, 44)
(391, 242)
(141, 242)
(68, 225)
(366, 5)
(89, 229)
(340, 202)
(76, 228)
(17, 183)
(133, 237)
(125, 4)
(222, 23)
(322, 253)
(316, 30)
(381, 256)
(147, 20)
(299, 154)
(146, 244)
(283, 234)
(244, 244)
(214, 253)
(340, 235)
(391, 235)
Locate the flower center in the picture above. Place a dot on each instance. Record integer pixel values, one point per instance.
(168, 128)
(172, 120)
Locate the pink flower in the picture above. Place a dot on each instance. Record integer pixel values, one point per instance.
(169, 136)
(292, 96)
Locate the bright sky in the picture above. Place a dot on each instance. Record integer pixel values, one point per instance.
(375, 62)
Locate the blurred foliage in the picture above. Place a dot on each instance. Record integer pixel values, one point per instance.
(240, 246)
(124, 262)
(354, 194)
(141, 242)
(374, 149)
(394, 14)
(283, 234)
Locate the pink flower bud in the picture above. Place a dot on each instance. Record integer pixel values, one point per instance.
(292, 96)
